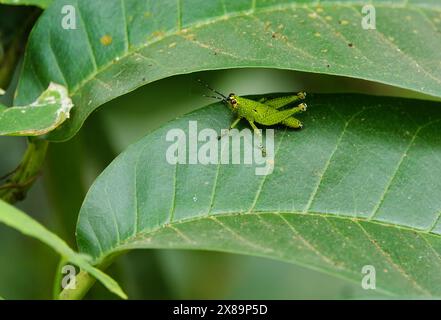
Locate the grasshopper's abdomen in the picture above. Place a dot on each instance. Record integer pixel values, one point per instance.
(292, 123)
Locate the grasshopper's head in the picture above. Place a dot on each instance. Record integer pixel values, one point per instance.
(232, 101)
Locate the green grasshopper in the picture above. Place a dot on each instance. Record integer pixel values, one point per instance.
(264, 111)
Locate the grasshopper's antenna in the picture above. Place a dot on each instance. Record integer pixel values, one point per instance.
(214, 97)
(211, 89)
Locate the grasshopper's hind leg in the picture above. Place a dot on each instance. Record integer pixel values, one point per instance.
(281, 102)
(280, 116)
(292, 123)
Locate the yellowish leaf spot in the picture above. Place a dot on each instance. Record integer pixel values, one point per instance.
(106, 40)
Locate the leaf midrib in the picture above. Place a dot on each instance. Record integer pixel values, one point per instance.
(173, 225)
(261, 255)
(141, 234)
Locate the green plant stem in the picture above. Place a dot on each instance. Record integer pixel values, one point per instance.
(21, 180)
(57, 279)
(84, 281)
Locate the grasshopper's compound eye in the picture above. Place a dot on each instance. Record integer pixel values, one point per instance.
(232, 99)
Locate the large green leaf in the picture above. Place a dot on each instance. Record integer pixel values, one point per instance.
(359, 185)
(18, 220)
(120, 45)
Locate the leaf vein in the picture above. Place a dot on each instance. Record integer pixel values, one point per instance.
(89, 42)
(392, 262)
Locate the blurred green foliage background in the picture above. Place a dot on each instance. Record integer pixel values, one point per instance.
(27, 267)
